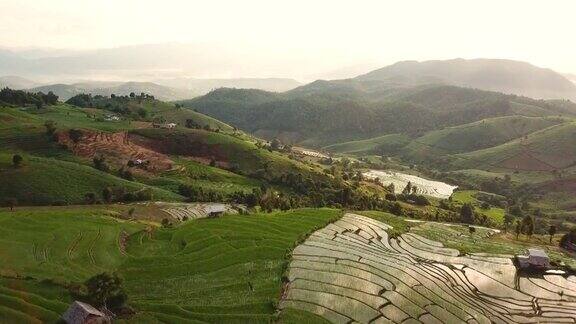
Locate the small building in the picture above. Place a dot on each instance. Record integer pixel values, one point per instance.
(82, 313)
(536, 259)
(215, 210)
(169, 125)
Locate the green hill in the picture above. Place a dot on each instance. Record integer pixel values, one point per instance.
(478, 135)
(330, 112)
(546, 150)
(47, 181)
(214, 270)
(387, 143)
(180, 116)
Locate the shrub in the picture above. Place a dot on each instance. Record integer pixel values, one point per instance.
(103, 289)
(17, 160)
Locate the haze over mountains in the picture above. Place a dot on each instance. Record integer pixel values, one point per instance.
(507, 76)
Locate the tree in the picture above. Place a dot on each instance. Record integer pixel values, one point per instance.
(408, 189)
(107, 194)
(518, 228)
(11, 203)
(551, 231)
(467, 213)
(75, 135)
(275, 144)
(471, 229)
(508, 220)
(527, 226)
(17, 160)
(50, 127)
(100, 163)
(103, 290)
(90, 198)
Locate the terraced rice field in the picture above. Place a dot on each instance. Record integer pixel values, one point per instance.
(223, 270)
(400, 180)
(352, 271)
(194, 210)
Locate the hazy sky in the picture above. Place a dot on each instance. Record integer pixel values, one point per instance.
(345, 33)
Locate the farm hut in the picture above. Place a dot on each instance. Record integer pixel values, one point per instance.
(82, 313)
(536, 258)
(214, 211)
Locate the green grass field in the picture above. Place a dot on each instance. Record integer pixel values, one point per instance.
(467, 196)
(387, 143)
(180, 116)
(203, 176)
(241, 155)
(478, 135)
(225, 270)
(46, 181)
(547, 149)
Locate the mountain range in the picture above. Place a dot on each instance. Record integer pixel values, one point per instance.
(506, 76)
(408, 97)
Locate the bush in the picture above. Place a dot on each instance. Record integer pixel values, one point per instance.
(17, 160)
(103, 289)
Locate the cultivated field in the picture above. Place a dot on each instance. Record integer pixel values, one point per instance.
(224, 270)
(353, 271)
(400, 180)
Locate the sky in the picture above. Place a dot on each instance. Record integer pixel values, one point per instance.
(334, 35)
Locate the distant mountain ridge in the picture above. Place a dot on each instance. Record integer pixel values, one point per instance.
(204, 86)
(66, 91)
(166, 89)
(508, 76)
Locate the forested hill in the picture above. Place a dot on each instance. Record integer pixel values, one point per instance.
(327, 112)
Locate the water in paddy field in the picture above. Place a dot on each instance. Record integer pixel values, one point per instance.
(426, 187)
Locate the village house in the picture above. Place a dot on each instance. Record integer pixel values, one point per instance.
(82, 313)
(536, 258)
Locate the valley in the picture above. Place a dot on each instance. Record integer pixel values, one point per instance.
(360, 200)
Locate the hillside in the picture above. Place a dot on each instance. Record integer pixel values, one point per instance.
(478, 135)
(42, 181)
(325, 113)
(550, 149)
(220, 270)
(506, 76)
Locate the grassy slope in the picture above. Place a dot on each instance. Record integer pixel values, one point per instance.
(467, 196)
(207, 177)
(44, 181)
(485, 133)
(180, 116)
(555, 145)
(213, 270)
(389, 143)
(22, 131)
(228, 270)
(243, 155)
